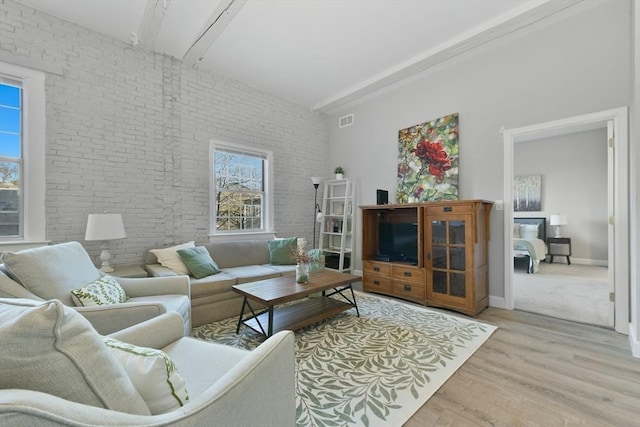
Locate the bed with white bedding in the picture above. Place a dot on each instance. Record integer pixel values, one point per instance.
(528, 241)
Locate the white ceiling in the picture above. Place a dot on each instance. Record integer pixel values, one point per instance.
(318, 53)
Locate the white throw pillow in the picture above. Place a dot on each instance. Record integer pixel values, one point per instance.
(153, 374)
(516, 231)
(168, 257)
(104, 291)
(51, 348)
(529, 231)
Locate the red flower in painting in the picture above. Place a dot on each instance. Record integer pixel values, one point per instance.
(434, 155)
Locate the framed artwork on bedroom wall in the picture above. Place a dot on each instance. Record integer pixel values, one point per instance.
(527, 193)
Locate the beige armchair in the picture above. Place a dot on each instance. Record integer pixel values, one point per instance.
(228, 387)
(51, 272)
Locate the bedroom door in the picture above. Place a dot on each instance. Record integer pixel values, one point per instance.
(611, 210)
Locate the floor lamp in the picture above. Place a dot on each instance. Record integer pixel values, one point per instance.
(316, 180)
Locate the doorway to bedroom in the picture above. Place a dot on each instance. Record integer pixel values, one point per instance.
(571, 199)
(571, 284)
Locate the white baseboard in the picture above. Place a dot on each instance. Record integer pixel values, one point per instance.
(585, 261)
(633, 342)
(497, 302)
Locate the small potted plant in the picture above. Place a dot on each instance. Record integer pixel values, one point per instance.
(339, 172)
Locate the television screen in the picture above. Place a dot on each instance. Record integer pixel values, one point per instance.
(398, 241)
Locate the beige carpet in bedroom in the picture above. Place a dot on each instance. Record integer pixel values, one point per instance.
(572, 292)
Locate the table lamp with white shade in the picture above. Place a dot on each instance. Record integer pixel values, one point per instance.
(105, 227)
(558, 220)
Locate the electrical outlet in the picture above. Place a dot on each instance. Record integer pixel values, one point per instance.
(499, 204)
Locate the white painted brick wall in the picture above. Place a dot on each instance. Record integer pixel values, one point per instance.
(128, 131)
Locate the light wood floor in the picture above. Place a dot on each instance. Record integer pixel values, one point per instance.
(540, 371)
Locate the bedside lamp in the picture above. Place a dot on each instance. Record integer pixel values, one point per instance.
(558, 220)
(105, 227)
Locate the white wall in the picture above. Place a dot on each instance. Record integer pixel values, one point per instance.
(128, 131)
(574, 185)
(555, 69)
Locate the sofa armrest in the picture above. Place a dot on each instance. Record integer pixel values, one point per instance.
(150, 286)
(268, 370)
(110, 318)
(156, 333)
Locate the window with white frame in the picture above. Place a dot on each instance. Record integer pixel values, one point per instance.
(11, 218)
(22, 154)
(241, 200)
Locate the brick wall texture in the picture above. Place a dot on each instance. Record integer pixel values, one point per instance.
(128, 131)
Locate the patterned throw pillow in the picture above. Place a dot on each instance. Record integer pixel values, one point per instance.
(153, 374)
(104, 291)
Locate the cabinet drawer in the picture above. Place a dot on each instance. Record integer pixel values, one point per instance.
(409, 291)
(408, 274)
(373, 283)
(449, 209)
(381, 268)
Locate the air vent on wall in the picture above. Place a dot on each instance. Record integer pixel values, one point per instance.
(345, 121)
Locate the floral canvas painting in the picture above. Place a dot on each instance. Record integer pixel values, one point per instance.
(428, 161)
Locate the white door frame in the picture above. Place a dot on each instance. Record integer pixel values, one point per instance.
(621, 197)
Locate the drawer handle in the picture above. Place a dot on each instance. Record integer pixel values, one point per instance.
(447, 209)
(376, 282)
(376, 269)
(407, 288)
(407, 274)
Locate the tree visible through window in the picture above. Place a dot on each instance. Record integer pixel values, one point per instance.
(10, 159)
(239, 179)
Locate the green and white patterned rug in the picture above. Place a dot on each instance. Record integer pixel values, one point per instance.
(372, 370)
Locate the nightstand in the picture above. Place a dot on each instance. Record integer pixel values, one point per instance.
(130, 271)
(559, 246)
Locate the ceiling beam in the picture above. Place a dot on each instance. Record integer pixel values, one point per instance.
(500, 27)
(154, 13)
(221, 17)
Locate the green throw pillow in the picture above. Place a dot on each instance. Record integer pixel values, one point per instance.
(198, 261)
(281, 251)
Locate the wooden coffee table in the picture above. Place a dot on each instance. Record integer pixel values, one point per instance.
(272, 292)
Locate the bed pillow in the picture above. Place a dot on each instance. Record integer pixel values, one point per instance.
(51, 348)
(198, 261)
(168, 257)
(104, 291)
(281, 251)
(529, 231)
(516, 231)
(153, 374)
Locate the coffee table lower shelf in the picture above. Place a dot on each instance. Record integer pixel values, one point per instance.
(297, 315)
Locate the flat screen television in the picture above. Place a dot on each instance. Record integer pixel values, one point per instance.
(398, 242)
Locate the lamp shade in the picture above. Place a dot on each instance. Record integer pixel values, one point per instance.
(105, 227)
(316, 180)
(558, 220)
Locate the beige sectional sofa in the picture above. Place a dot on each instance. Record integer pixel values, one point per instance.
(212, 297)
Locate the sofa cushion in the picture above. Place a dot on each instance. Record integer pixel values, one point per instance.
(198, 261)
(153, 374)
(104, 291)
(51, 348)
(51, 272)
(239, 253)
(168, 257)
(210, 285)
(251, 273)
(281, 251)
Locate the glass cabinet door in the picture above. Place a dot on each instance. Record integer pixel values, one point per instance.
(448, 251)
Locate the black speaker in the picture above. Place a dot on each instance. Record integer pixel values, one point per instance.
(382, 197)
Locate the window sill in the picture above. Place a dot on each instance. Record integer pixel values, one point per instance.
(18, 245)
(258, 235)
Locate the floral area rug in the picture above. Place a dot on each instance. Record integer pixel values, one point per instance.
(374, 370)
